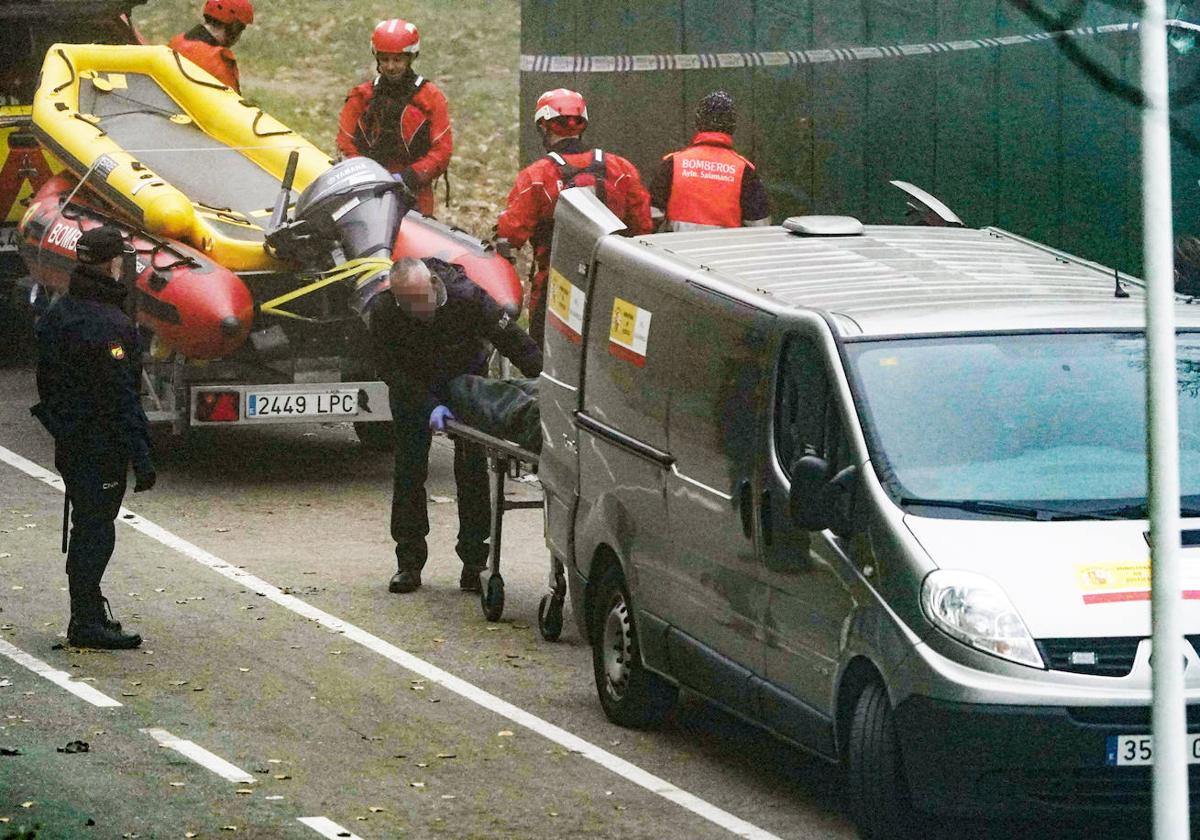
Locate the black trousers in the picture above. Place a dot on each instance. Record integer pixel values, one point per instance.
(410, 517)
(95, 483)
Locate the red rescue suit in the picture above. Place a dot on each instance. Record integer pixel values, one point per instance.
(199, 46)
(408, 129)
(529, 216)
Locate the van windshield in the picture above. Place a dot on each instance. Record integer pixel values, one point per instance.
(1044, 426)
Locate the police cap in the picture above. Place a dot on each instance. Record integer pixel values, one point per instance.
(99, 245)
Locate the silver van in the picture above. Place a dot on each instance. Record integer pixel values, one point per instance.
(880, 490)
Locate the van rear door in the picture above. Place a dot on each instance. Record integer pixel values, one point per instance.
(580, 222)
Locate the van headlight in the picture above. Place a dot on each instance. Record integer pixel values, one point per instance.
(975, 610)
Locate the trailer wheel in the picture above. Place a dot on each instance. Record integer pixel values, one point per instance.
(550, 617)
(629, 694)
(879, 800)
(376, 436)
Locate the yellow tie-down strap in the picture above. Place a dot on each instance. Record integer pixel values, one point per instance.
(359, 270)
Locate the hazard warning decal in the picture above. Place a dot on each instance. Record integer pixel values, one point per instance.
(629, 334)
(565, 306)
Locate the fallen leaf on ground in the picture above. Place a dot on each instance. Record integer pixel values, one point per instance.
(448, 796)
(504, 733)
(179, 682)
(440, 500)
(375, 809)
(224, 531)
(10, 751)
(447, 755)
(282, 776)
(5, 683)
(26, 804)
(5, 555)
(75, 747)
(244, 791)
(417, 784)
(177, 784)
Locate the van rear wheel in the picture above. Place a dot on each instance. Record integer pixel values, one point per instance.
(629, 694)
(879, 800)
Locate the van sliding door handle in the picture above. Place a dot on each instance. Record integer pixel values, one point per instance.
(764, 511)
(746, 508)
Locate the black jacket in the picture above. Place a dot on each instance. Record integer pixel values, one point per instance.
(417, 359)
(89, 371)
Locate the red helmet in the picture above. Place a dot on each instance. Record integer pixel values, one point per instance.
(230, 11)
(564, 111)
(395, 36)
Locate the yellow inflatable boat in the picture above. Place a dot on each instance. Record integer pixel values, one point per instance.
(181, 154)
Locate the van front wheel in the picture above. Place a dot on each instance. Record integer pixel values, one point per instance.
(630, 695)
(879, 800)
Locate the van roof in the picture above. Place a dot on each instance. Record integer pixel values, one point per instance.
(903, 279)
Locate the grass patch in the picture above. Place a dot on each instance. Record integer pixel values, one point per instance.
(299, 59)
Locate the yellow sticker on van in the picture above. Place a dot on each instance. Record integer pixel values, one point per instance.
(565, 306)
(629, 332)
(1106, 583)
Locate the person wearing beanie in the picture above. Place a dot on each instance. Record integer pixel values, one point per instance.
(88, 383)
(707, 184)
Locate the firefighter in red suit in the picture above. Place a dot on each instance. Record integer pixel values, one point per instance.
(707, 184)
(561, 117)
(210, 44)
(399, 119)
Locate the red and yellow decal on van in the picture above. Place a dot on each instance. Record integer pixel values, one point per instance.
(1110, 583)
(565, 306)
(629, 333)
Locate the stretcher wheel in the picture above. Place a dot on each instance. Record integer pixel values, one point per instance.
(550, 618)
(492, 598)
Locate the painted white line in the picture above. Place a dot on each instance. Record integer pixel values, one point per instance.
(197, 753)
(328, 828)
(59, 678)
(431, 673)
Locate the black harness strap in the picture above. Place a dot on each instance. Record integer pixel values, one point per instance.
(596, 168)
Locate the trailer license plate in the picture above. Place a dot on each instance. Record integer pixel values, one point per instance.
(9, 238)
(1131, 750)
(276, 405)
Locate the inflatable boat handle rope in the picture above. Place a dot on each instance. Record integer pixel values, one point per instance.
(360, 270)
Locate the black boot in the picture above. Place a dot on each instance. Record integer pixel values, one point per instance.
(468, 580)
(107, 616)
(408, 579)
(88, 628)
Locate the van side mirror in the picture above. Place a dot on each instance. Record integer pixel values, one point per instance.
(819, 500)
(808, 500)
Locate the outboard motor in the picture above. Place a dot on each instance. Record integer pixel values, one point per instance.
(351, 211)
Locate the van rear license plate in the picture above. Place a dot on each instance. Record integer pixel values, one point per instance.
(1132, 750)
(276, 405)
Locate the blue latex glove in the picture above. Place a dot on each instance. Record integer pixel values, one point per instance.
(438, 418)
(409, 178)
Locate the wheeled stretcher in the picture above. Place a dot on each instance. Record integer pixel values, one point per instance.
(505, 459)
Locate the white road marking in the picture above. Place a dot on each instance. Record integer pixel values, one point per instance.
(328, 828)
(197, 753)
(59, 678)
(627, 770)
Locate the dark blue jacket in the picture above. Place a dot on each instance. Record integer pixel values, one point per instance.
(89, 372)
(417, 359)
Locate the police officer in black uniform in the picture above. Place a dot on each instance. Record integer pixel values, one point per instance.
(88, 381)
(433, 326)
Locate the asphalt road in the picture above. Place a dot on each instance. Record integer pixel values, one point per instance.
(256, 571)
(281, 652)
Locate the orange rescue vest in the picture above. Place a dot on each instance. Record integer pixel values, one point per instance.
(706, 186)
